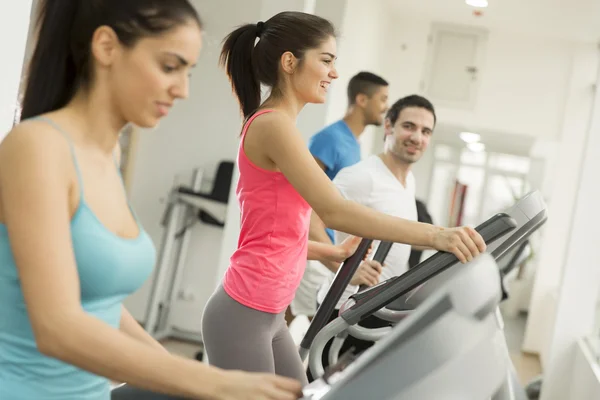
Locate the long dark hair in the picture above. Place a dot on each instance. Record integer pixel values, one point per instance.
(60, 64)
(249, 65)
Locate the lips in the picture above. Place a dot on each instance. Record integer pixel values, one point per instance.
(412, 149)
(163, 108)
(325, 85)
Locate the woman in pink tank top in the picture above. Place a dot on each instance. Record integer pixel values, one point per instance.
(280, 184)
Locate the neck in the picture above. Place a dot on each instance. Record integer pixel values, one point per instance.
(94, 121)
(399, 168)
(355, 121)
(290, 105)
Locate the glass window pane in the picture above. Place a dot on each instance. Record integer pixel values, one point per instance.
(509, 162)
(473, 157)
(442, 184)
(502, 192)
(474, 178)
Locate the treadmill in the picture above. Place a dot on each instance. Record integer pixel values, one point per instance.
(441, 314)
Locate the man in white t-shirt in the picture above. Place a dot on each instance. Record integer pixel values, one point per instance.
(385, 182)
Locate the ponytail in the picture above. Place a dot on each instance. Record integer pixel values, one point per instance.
(51, 77)
(236, 57)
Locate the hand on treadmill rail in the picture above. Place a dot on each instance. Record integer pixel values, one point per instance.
(464, 242)
(259, 386)
(349, 246)
(367, 273)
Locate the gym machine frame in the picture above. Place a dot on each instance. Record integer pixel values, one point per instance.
(182, 203)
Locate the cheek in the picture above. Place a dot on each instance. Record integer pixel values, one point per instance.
(139, 87)
(404, 135)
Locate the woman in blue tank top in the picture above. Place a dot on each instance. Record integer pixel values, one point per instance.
(71, 248)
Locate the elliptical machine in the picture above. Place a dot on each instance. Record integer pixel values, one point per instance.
(401, 300)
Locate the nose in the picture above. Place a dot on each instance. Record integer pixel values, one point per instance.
(416, 136)
(333, 74)
(181, 89)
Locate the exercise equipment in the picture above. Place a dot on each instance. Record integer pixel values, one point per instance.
(185, 206)
(503, 233)
(445, 349)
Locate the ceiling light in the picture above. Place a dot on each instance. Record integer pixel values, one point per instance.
(470, 137)
(477, 3)
(476, 147)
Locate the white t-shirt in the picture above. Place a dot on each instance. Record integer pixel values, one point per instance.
(371, 183)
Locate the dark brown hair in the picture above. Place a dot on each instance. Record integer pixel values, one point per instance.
(60, 64)
(364, 83)
(249, 64)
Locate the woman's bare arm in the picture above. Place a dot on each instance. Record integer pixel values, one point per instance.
(132, 328)
(283, 144)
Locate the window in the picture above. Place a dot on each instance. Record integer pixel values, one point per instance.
(473, 158)
(501, 192)
(442, 184)
(474, 178)
(510, 163)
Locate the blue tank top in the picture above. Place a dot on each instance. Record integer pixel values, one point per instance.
(110, 268)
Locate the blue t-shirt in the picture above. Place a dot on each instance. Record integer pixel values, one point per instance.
(337, 148)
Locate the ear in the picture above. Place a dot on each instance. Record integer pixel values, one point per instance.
(289, 62)
(388, 128)
(105, 45)
(362, 100)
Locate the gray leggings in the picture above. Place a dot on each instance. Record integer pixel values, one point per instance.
(242, 338)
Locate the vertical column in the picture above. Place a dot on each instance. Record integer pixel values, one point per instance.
(564, 172)
(14, 27)
(578, 290)
(310, 6)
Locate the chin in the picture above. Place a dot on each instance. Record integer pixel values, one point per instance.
(146, 122)
(321, 99)
(316, 98)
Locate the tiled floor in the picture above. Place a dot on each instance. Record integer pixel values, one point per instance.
(527, 366)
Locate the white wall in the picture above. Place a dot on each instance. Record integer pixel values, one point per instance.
(14, 27)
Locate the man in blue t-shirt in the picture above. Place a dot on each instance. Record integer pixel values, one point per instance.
(335, 147)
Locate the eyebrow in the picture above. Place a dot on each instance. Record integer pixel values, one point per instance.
(329, 54)
(413, 124)
(179, 58)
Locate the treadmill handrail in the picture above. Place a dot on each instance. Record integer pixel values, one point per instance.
(368, 302)
(335, 292)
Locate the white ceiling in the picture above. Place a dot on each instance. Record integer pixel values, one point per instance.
(568, 19)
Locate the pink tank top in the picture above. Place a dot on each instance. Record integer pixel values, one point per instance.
(270, 259)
